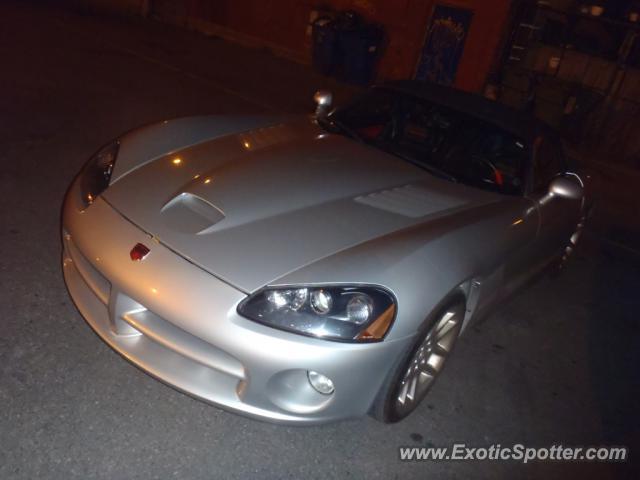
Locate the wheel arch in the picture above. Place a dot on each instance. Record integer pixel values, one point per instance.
(380, 406)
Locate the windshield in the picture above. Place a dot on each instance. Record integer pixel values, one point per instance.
(448, 143)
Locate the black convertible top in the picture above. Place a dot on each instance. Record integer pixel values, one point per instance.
(518, 123)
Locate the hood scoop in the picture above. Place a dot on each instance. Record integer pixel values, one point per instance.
(251, 207)
(188, 213)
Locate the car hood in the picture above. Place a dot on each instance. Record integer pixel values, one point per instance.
(254, 206)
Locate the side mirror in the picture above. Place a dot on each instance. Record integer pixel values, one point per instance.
(566, 187)
(323, 100)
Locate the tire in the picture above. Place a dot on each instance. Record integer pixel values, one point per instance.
(416, 371)
(559, 265)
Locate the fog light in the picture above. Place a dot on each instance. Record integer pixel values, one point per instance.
(321, 383)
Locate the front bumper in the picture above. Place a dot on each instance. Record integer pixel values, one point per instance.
(179, 324)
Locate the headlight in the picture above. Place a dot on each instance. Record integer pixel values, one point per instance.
(349, 313)
(96, 174)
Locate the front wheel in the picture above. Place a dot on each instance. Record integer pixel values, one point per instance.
(416, 375)
(561, 263)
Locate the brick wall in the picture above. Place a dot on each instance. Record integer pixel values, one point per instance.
(282, 25)
(118, 7)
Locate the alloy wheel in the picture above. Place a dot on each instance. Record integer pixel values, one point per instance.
(428, 360)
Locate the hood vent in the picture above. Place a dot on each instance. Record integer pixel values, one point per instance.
(188, 213)
(410, 201)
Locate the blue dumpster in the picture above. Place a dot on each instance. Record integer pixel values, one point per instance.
(360, 49)
(325, 45)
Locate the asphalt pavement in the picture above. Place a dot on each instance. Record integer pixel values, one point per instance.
(556, 364)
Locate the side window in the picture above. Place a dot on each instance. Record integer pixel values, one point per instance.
(547, 164)
(424, 129)
(505, 154)
(370, 116)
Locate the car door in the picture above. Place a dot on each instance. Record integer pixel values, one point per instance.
(501, 160)
(558, 215)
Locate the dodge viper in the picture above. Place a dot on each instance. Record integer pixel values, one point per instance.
(305, 269)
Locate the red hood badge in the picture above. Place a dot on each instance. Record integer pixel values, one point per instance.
(139, 252)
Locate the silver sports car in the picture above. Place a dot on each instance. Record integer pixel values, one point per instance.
(309, 269)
